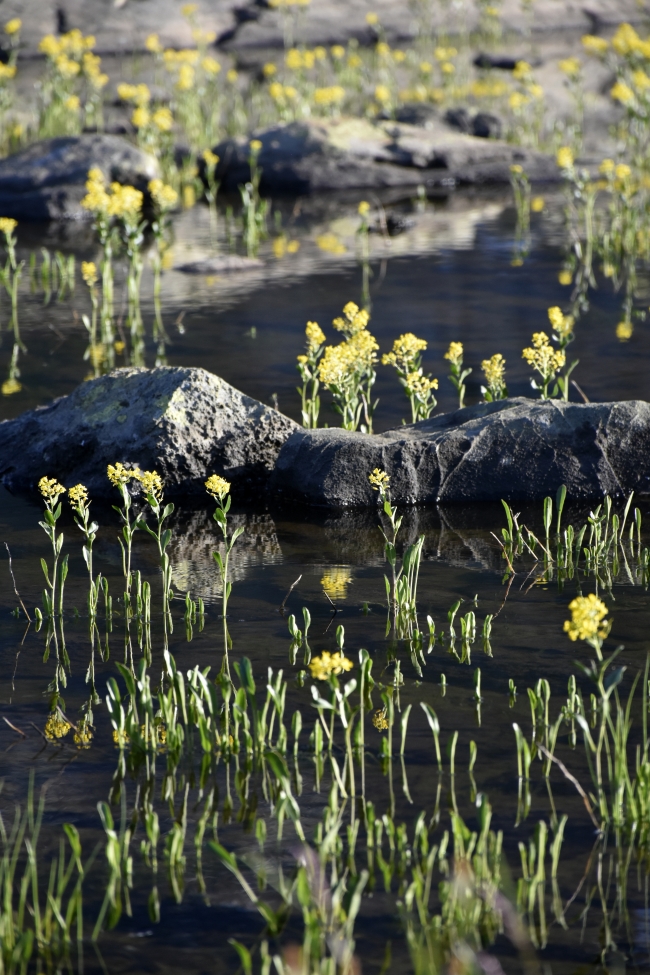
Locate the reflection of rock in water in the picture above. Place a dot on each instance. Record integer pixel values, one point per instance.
(196, 537)
(355, 537)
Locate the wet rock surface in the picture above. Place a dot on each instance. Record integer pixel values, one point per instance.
(329, 154)
(516, 449)
(46, 181)
(184, 423)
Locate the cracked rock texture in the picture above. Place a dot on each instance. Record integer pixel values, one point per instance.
(344, 153)
(184, 423)
(516, 449)
(47, 180)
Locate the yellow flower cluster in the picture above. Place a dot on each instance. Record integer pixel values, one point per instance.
(153, 45)
(587, 615)
(136, 94)
(420, 385)
(217, 486)
(330, 244)
(84, 734)
(342, 362)
(297, 60)
(455, 354)
(78, 496)
(329, 663)
(164, 196)
(10, 386)
(50, 489)
(354, 320)
(174, 59)
(379, 480)
(594, 45)
(564, 158)
(7, 72)
(542, 356)
(152, 484)
(122, 201)
(315, 337)
(56, 727)
(380, 720)
(210, 159)
(626, 41)
(119, 474)
(89, 272)
(571, 67)
(562, 324)
(7, 225)
(621, 92)
(382, 94)
(335, 582)
(281, 94)
(332, 95)
(72, 45)
(13, 26)
(91, 65)
(405, 352)
(494, 370)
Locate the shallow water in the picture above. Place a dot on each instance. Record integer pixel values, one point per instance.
(447, 278)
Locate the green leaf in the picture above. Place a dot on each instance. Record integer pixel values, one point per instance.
(244, 956)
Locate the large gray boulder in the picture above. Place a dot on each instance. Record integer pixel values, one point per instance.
(184, 423)
(348, 153)
(46, 181)
(515, 449)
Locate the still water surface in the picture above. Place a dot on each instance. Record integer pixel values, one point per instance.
(447, 278)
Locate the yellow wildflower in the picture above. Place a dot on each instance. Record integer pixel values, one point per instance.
(379, 480)
(211, 66)
(335, 582)
(543, 357)
(537, 204)
(152, 484)
(372, 19)
(83, 734)
(255, 146)
(13, 26)
(10, 386)
(625, 40)
(455, 354)
(364, 208)
(522, 70)
(333, 95)
(269, 70)
(622, 93)
(140, 118)
(189, 9)
(564, 158)
(418, 384)
(163, 195)
(338, 52)
(607, 167)
(78, 496)
(210, 158)
(163, 119)
(624, 331)
(565, 277)
(50, 489)
(119, 474)
(640, 80)
(186, 78)
(562, 324)
(72, 103)
(354, 319)
(622, 171)
(315, 336)
(330, 244)
(382, 94)
(594, 45)
(217, 486)
(380, 720)
(494, 370)
(329, 663)
(7, 225)
(587, 616)
(570, 67)
(56, 726)
(153, 44)
(232, 76)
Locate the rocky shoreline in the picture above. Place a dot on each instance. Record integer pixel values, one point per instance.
(187, 423)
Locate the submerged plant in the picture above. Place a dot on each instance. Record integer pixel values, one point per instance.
(219, 489)
(55, 577)
(78, 498)
(120, 477)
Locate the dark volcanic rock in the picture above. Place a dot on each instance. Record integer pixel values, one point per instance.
(46, 181)
(184, 423)
(515, 449)
(348, 153)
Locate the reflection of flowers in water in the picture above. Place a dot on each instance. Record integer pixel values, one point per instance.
(335, 581)
(56, 727)
(379, 720)
(193, 565)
